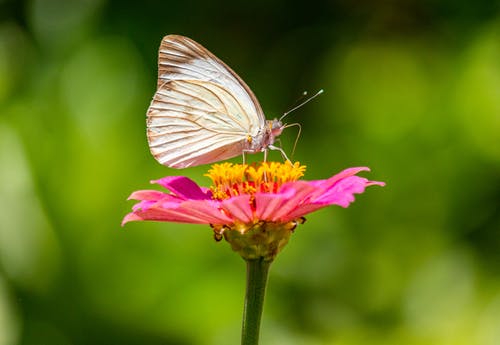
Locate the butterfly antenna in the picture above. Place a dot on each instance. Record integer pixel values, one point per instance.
(300, 99)
(297, 137)
(301, 104)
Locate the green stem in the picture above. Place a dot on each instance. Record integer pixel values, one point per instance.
(257, 270)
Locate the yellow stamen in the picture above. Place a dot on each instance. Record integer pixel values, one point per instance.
(230, 179)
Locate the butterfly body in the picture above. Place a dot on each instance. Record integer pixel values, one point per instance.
(265, 137)
(202, 111)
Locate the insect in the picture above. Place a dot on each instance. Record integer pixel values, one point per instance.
(202, 111)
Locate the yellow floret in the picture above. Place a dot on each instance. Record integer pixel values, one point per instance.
(230, 179)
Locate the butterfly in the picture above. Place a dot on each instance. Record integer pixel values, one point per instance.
(202, 111)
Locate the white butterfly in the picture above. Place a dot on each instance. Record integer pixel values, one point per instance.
(202, 111)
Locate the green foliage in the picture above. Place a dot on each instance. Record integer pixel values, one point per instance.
(412, 90)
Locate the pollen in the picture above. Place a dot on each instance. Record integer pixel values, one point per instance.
(229, 180)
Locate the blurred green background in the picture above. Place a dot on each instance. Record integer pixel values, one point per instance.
(412, 90)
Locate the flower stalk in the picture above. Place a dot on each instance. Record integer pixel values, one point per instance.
(257, 272)
(258, 244)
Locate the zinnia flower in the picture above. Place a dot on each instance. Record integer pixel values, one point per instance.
(265, 201)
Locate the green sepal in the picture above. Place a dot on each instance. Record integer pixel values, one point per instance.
(262, 240)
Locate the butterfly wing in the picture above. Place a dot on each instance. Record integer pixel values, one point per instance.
(202, 111)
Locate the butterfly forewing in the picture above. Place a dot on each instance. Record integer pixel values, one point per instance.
(202, 111)
(181, 58)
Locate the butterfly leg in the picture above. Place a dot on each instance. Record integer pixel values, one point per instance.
(265, 160)
(272, 147)
(243, 154)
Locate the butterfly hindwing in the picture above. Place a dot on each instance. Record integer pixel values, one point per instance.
(185, 131)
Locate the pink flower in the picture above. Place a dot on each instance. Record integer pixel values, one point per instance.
(241, 194)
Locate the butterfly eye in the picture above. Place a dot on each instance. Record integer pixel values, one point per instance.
(276, 127)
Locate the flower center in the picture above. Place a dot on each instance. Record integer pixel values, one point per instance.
(229, 180)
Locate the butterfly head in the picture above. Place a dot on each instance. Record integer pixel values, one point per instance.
(275, 127)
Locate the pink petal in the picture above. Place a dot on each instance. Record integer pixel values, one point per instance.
(342, 193)
(274, 207)
(191, 211)
(183, 187)
(267, 205)
(375, 183)
(163, 198)
(303, 210)
(325, 184)
(239, 208)
(143, 205)
(162, 215)
(146, 195)
(346, 173)
(131, 217)
(207, 210)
